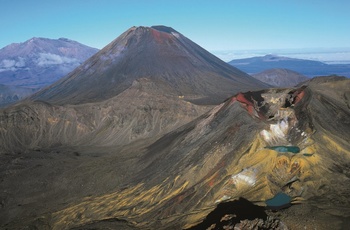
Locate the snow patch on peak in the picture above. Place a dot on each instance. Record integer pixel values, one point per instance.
(175, 34)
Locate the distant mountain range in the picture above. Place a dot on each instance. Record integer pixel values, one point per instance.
(280, 77)
(305, 67)
(39, 62)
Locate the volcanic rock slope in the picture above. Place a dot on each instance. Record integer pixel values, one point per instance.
(254, 145)
(40, 62)
(236, 150)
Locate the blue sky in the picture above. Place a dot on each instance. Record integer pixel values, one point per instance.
(215, 25)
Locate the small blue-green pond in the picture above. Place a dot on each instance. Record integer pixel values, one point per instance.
(280, 200)
(284, 149)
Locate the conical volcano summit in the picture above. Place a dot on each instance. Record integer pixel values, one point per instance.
(160, 54)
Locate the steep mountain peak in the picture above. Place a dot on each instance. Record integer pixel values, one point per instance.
(161, 28)
(142, 34)
(158, 53)
(35, 39)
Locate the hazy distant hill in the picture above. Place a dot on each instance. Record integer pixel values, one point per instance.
(306, 67)
(11, 94)
(39, 62)
(280, 77)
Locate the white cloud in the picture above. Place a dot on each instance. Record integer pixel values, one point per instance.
(54, 59)
(20, 63)
(7, 63)
(12, 64)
